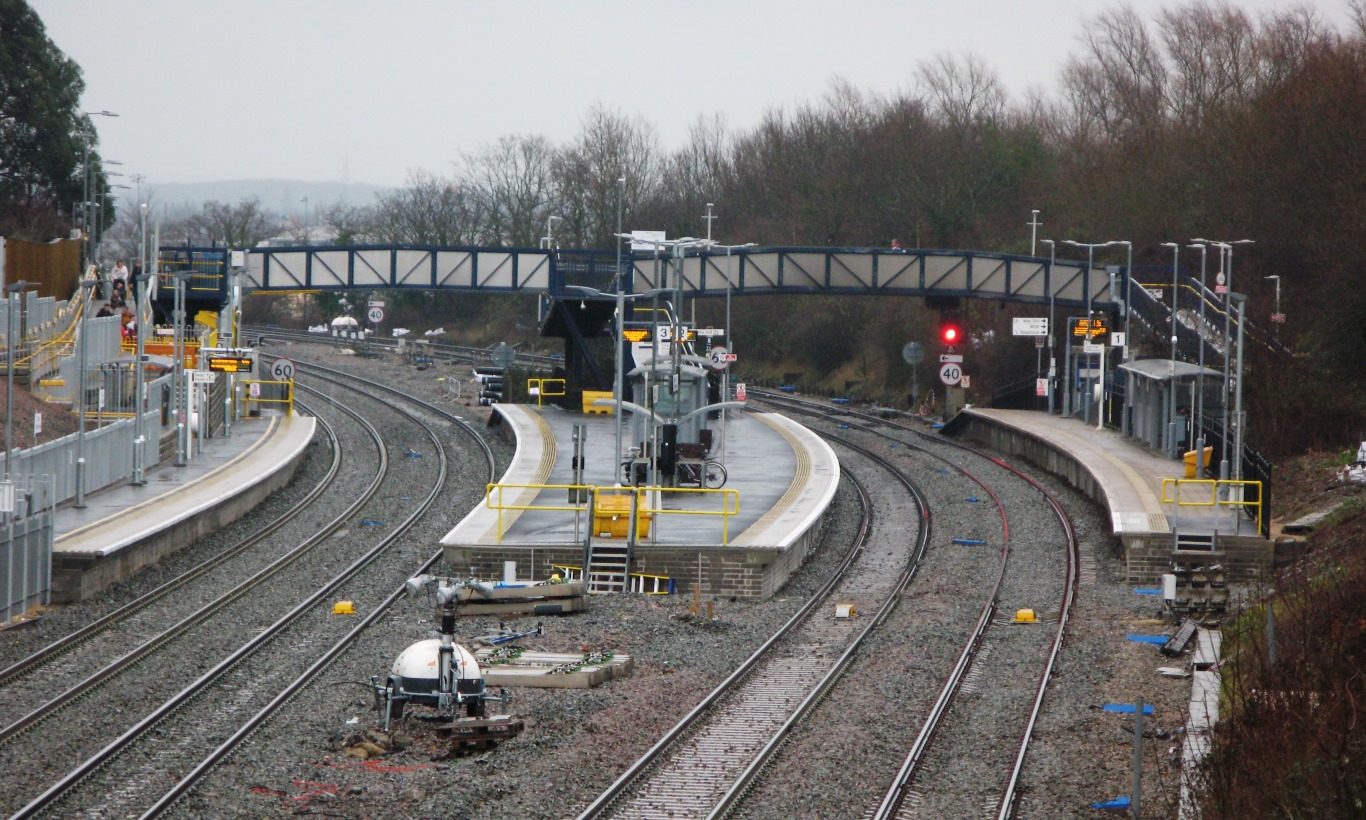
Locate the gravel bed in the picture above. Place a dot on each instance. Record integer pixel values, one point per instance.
(577, 741)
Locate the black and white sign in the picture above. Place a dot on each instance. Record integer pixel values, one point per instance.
(951, 373)
(375, 315)
(946, 358)
(282, 370)
(1025, 326)
(721, 358)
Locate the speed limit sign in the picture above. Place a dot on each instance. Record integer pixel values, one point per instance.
(951, 373)
(282, 370)
(376, 315)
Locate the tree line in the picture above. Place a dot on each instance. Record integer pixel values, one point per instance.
(1203, 121)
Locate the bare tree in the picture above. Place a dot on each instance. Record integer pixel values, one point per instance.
(512, 182)
(609, 147)
(963, 92)
(236, 226)
(429, 210)
(1117, 88)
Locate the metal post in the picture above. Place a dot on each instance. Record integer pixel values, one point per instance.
(1136, 792)
(1127, 412)
(1052, 348)
(178, 371)
(1034, 224)
(1171, 386)
(1241, 299)
(12, 292)
(1200, 377)
(84, 341)
(618, 388)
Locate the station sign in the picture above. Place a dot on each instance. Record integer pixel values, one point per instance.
(1087, 329)
(202, 376)
(1027, 326)
(228, 360)
(709, 332)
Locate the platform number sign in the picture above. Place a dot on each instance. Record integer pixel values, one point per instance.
(951, 373)
(282, 370)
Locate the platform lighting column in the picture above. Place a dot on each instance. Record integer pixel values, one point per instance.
(87, 296)
(1090, 261)
(1241, 299)
(1171, 386)
(1226, 267)
(549, 238)
(1127, 412)
(1052, 350)
(178, 371)
(617, 378)
(141, 303)
(11, 291)
(1200, 377)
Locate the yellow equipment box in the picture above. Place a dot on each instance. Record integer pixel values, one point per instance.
(611, 514)
(1190, 461)
(590, 396)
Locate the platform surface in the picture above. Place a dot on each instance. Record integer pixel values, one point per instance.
(784, 477)
(117, 517)
(1131, 476)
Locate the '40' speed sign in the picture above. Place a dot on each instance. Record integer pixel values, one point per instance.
(951, 373)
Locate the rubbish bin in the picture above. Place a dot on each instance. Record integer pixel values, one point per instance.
(1190, 461)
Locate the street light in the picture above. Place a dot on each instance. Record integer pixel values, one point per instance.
(1052, 367)
(1090, 262)
(11, 291)
(548, 241)
(1200, 377)
(1171, 398)
(83, 342)
(142, 302)
(1225, 281)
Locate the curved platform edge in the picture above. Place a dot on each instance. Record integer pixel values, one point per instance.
(95, 555)
(532, 459)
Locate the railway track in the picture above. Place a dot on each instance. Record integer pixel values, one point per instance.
(956, 732)
(118, 792)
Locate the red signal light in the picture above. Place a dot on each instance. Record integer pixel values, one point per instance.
(950, 332)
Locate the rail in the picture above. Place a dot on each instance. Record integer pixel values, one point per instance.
(542, 387)
(254, 395)
(1233, 486)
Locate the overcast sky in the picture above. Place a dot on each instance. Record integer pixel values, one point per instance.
(365, 91)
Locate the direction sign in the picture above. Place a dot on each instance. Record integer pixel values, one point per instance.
(1027, 326)
(951, 373)
(379, 303)
(945, 358)
(282, 370)
(709, 332)
(202, 376)
(375, 315)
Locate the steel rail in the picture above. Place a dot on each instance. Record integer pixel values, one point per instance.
(72, 640)
(110, 751)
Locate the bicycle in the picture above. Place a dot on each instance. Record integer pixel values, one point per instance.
(709, 474)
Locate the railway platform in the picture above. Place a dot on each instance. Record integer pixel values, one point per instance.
(126, 527)
(1162, 517)
(743, 539)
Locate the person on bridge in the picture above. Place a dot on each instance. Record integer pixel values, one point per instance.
(896, 246)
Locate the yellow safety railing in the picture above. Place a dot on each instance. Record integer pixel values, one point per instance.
(730, 501)
(254, 394)
(1214, 485)
(544, 387)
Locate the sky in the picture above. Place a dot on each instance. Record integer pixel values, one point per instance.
(366, 91)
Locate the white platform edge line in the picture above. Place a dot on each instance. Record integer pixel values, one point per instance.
(824, 463)
(166, 522)
(521, 470)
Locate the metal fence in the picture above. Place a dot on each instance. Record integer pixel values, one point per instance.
(26, 546)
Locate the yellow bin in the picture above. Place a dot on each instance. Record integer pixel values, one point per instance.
(611, 514)
(1190, 461)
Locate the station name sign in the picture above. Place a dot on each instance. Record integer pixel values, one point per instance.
(228, 360)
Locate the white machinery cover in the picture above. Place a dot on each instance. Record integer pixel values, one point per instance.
(420, 661)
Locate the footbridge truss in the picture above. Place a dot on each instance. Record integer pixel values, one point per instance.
(705, 273)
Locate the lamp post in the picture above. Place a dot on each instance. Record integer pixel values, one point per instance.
(1171, 387)
(1052, 366)
(142, 303)
(11, 292)
(1225, 281)
(1277, 318)
(87, 182)
(87, 296)
(617, 385)
(1034, 224)
(1090, 262)
(548, 241)
(1200, 377)
(305, 225)
(730, 342)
